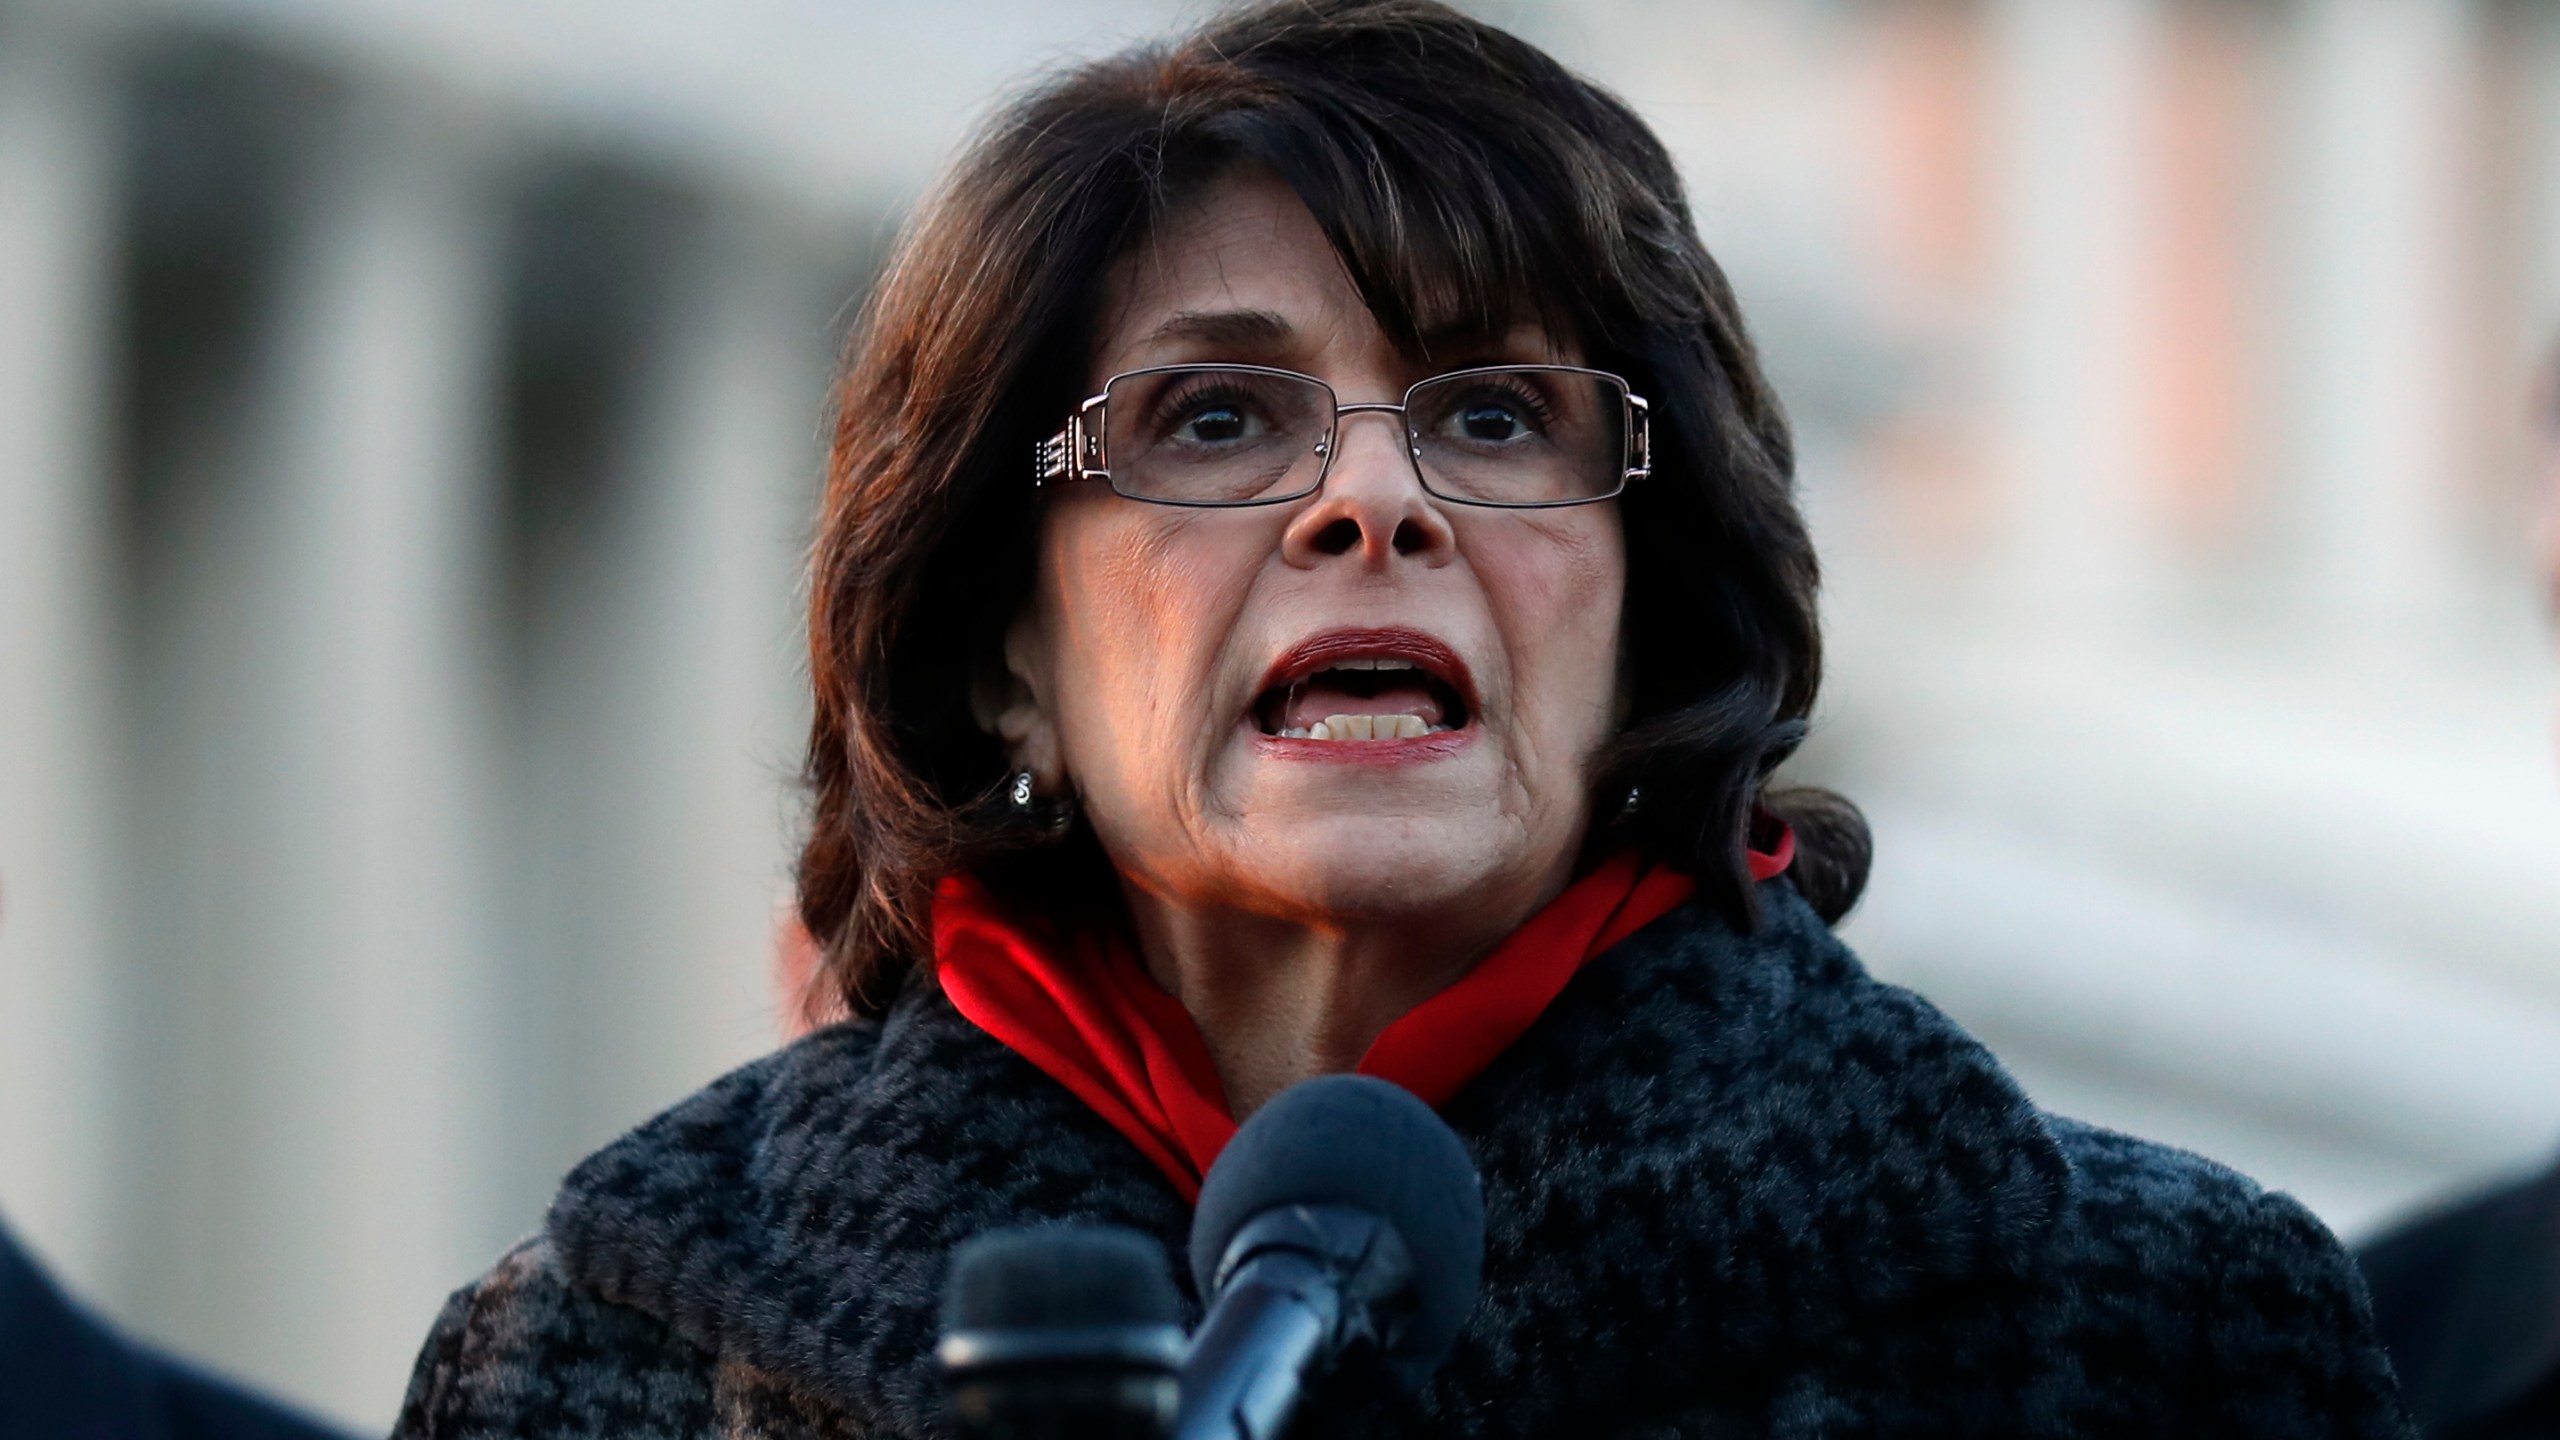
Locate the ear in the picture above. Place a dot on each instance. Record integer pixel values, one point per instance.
(1010, 700)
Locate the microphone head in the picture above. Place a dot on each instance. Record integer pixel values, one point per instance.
(1058, 1276)
(1357, 1141)
(1062, 1332)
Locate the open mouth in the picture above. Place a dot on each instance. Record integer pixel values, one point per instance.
(1368, 685)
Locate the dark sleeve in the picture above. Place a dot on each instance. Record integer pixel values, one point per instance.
(63, 1371)
(199, 1406)
(2466, 1301)
(522, 1355)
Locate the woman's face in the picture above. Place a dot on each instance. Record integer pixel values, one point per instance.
(1168, 657)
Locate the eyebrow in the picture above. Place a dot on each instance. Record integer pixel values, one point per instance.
(1225, 327)
(1268, 329)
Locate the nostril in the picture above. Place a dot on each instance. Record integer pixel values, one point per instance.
(1339, 537)
(1411, 537)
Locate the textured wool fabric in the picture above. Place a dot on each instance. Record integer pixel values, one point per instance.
(1732, 1187)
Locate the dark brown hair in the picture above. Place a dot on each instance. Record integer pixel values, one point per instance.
(1461, 175)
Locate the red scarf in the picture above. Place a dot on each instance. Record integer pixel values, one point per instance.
(1083, 1008)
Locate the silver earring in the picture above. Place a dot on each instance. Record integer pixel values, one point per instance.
(1051, 818)
(1635, 797)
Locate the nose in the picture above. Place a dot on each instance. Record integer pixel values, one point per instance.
(1372, 507)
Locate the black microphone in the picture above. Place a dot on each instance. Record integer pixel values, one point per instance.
(1062, 1331)
(1344, 1217)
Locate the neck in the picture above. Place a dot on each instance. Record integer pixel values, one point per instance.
(1279, 1001)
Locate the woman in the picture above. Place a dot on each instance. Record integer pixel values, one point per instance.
(1310, 581)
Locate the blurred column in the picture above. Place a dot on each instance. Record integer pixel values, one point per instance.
(2539, 27)
(56, 257)
(706, 635)
(2372, 236)
(2069, 216)
(339, 890)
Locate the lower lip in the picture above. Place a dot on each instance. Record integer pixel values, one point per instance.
(1419, 750)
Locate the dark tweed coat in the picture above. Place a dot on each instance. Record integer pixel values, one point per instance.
(1732, 1185)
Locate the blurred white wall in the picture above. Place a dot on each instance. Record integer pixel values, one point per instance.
(2185, 645)
(409, 416)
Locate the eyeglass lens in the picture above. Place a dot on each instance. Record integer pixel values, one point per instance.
(1216, 436)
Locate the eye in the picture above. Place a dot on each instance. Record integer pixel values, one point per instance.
(1216, 424)
(1496, 414)
(1491, 420)
(1211, 415)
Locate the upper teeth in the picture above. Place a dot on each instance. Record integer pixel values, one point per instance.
(1374, 665)
(1365, 727)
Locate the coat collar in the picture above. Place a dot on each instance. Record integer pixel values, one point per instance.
(1711, 1145)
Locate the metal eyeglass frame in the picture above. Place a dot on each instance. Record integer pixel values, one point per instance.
(1076, 452)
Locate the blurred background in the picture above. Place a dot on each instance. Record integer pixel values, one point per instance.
(410, 415)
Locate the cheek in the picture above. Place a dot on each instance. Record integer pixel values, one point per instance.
(1559, 590)
(1141, 604)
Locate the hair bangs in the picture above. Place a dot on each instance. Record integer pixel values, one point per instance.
(1449, 241)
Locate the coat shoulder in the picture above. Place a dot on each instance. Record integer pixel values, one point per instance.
(521, 1354)
(2185, 1222)
(2230, 1297)
(617, 1319)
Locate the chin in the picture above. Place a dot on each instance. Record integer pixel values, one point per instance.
(1379, 868)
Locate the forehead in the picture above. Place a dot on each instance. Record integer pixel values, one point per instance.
(1246, 245)
(1243, 271)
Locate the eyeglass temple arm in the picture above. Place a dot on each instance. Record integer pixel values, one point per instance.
(1639, 438)
(1075, 452)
